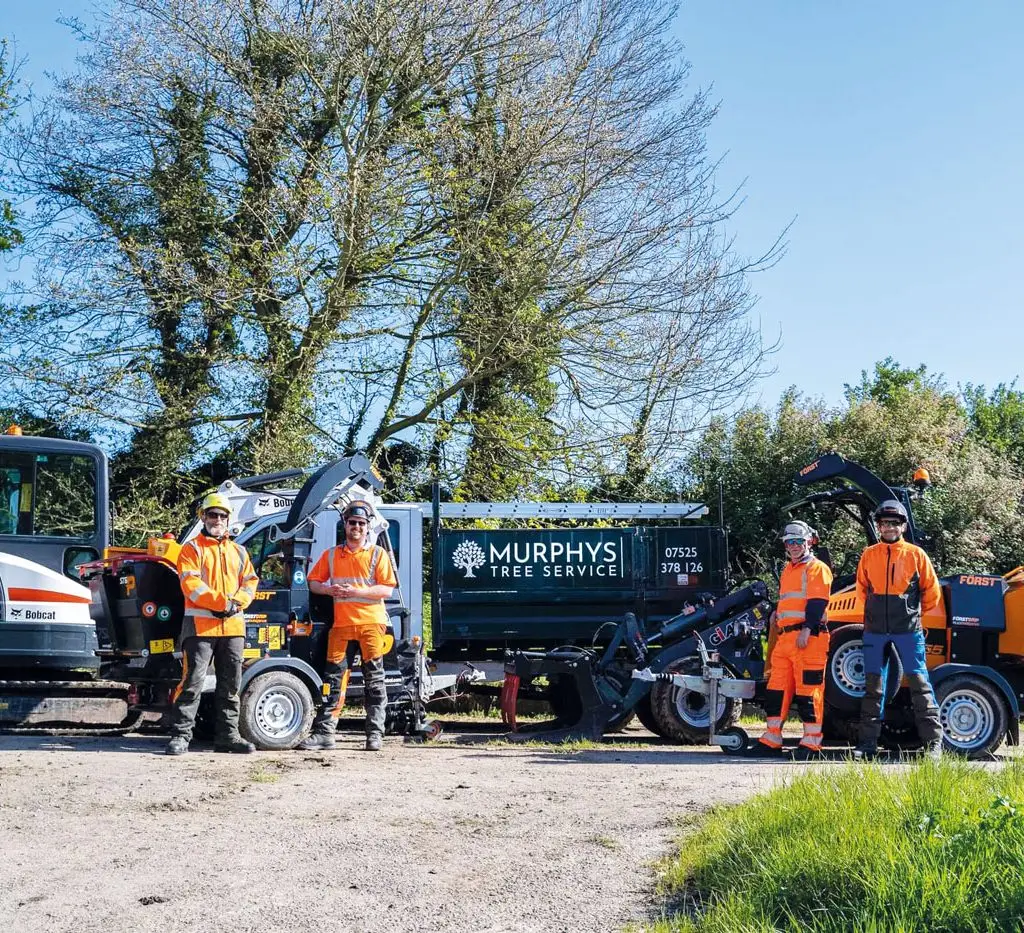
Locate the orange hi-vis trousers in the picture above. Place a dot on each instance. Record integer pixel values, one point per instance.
(796, 674)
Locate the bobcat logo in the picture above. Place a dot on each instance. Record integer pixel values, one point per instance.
(16, 613)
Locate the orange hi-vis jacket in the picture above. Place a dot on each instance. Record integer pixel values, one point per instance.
(896, 583)
(800, 583)
(365, 567)
(213, 572)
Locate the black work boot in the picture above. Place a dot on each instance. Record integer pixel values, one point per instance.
(177, 746)
(316, 741)
(933, 750)
(235, 746)
(374, 742)
(866, 751)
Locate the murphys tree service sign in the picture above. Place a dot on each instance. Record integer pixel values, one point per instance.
(589, 557)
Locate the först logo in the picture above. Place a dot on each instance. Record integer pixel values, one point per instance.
(969, 580)
(554, 559)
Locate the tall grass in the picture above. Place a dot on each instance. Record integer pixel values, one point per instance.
(936, 847)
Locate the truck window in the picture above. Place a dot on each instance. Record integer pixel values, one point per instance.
(270, 559)
(47, 494)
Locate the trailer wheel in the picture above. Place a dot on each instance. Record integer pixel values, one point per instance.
(645, 714)
(844, 673)
(973, 714)
(276, 711)
(683, 715)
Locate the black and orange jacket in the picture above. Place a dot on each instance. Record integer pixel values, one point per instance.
(896, 583)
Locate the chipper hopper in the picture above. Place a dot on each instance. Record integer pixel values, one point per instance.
(594, 691)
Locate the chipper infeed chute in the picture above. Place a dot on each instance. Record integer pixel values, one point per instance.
(592, 691)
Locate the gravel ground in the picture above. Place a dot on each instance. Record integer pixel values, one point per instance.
(110, 835)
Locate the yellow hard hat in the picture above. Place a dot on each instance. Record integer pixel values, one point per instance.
(214, 500)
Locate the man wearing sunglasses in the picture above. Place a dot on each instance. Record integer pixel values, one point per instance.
(896, 583)
(799, 645)
(218, 581)
(358, 575)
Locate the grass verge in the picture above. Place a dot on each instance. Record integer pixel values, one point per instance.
(929, 847)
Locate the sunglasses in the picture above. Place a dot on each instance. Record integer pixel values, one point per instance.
(355, 523)
(891, 523)
(216, 516)
(789, 541)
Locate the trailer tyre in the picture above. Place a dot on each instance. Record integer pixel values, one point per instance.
(973, 714)
(844, 673)
(276, 711)
(683, 715)
(645, 714)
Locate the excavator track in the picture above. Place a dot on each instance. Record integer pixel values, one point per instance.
(66, 708)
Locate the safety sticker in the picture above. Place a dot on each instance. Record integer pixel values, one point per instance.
(252, 653)
(149, 610)
(276, 633)
(161, 646)
(298, 578)
(262, 637)
(163, 613)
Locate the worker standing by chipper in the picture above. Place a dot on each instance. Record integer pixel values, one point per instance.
(359, 576)
(896, 584)
(218, 581)
(800, 651)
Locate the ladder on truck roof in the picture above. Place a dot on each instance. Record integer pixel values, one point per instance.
(681, 510)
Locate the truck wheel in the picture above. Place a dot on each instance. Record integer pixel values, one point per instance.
(276, 711)
(973, 714)
(844, 673)
(683, 715)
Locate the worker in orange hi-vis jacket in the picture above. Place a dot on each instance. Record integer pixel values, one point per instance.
(800, 651)
(359, 576)
(218, 581)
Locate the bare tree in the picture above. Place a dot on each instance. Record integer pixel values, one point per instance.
(266, 227)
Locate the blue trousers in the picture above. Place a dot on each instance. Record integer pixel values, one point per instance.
(910, 647)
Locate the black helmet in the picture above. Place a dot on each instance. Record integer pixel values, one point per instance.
(358, 510)
(891, 509)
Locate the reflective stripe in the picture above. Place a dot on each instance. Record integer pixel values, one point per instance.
(800, 593)
(357, 599)
(190, 573)
(790, 614)
(772, 738)
(372, 574)
(206, 614)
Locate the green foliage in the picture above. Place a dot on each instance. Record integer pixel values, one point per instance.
(933, 847)
(997, 418)
(893, 422)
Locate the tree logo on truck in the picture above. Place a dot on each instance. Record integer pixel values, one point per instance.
(468, 556)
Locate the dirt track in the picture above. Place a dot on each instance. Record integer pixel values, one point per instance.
(108, 835)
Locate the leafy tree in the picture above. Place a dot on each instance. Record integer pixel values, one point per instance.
(895, 421)
(996, 418)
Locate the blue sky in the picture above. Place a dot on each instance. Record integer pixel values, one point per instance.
(893, 133)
